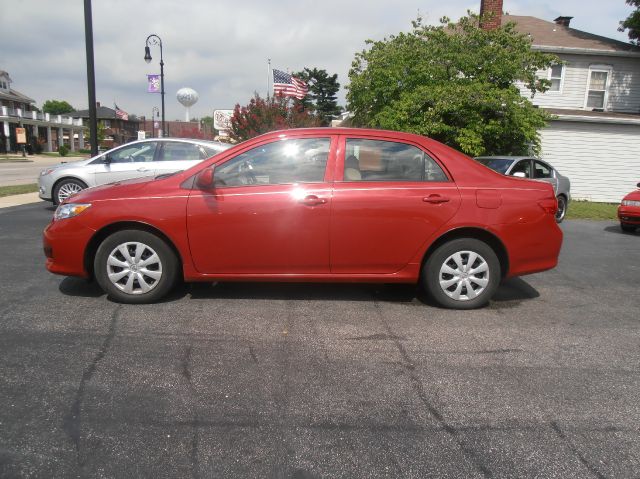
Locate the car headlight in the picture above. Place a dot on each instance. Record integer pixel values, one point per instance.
(47, 171)
(69, 210)
(630, 203)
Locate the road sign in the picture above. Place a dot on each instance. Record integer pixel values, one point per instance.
(21, 135)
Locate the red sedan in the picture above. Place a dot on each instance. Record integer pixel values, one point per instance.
(629, 211)
(324, 204)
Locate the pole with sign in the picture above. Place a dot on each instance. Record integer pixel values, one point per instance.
(21, 138)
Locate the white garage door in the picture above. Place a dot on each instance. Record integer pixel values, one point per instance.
(601, 160)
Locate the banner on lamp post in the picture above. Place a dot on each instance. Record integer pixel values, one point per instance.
(153, 84)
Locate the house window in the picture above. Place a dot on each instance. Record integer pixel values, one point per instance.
(555, 77)
(598, 87)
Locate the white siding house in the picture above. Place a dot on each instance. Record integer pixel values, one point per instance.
(594, 138)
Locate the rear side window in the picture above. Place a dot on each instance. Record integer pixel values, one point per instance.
(542, 170)
(178, 151)
(377, 160)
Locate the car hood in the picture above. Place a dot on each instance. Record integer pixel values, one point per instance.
(132, 188)
(634, 195)
(71, 164)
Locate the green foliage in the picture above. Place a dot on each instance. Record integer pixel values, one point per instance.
(632, 22)
(63, 150)
(207, 120)
(456, 83)
(100, 130)
(261, 116)
(321, 98)
(57, 107)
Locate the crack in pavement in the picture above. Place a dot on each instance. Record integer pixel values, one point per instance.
(185, 364)
(583, 460)
(72, 422)
(418, 388)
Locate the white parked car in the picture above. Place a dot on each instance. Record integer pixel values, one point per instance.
(150, 157)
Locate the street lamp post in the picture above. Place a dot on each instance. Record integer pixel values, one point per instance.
(155, 40)
(154, 114)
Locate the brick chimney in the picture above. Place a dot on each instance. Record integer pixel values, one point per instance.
(98, 104)
(493, 10)
(563, 21)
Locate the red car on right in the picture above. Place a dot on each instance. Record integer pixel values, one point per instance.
(629, 211)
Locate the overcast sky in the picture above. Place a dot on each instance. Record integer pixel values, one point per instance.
(220, 48)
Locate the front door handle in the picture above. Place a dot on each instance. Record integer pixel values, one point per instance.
(435, 199)
(312, 200)
(142, 169)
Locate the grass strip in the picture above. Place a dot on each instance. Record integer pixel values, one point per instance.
(588, 210)
(18, 189)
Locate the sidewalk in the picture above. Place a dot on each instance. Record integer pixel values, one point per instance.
(16, 200)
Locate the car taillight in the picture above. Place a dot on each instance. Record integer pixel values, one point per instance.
(549, 205)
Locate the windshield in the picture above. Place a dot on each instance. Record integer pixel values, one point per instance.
(501, 165)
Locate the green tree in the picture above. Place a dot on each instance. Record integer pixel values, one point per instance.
(456, 83)
(632, 22)
(101, 133)
(57, 107)
(321, 98)
(261, 116)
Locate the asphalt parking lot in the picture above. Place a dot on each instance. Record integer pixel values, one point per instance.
(318, 381)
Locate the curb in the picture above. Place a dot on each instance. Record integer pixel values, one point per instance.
(16, 200)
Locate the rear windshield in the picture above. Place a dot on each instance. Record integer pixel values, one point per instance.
(501, 165)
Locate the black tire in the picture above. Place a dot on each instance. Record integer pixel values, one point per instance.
(441, 256)
(168, 268)
(562, 209)
(65, 184)
(628, 228)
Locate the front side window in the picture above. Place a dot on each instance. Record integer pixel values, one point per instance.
(542, 170)
(376, 160)
(555, 77)
(142, 152)
(178, 151)
(597, 88)
(287, 161)
(523, 167)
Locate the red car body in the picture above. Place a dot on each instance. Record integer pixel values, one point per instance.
(629, 214)
(334, 230)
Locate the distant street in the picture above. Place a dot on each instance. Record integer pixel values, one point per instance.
(22, 173)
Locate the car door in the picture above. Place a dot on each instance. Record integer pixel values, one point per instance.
(173, 156)
(544, 172)
(389, 198)
(129, 161)
(268, 212)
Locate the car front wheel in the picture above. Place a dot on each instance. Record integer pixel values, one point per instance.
(562, 209)
(628, 228)
(66, 188)
(135, 267)
(462, 274)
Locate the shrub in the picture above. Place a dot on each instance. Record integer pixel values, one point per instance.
(63, 150)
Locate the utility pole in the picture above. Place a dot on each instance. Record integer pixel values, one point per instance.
(91, 77)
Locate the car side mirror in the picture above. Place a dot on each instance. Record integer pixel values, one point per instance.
(519, 174)
(638, 185)
(204, 179)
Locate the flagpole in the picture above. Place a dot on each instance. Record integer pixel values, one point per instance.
(268, 77)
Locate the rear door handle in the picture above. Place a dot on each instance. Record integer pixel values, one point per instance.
(435, 199)
(312, 200)
(143, 169)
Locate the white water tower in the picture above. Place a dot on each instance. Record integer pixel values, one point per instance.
(187, 98)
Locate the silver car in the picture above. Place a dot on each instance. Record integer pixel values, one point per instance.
(151, 157)
(536, 169)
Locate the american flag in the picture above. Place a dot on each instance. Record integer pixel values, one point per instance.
(121, 114)
(287, 85)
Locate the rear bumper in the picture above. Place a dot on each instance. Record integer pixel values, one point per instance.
(629, 215)
(64, 243)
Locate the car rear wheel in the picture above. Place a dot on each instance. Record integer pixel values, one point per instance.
(135, 267)
(462, 274)
(66, 188)
(562, 209)
(628, 228)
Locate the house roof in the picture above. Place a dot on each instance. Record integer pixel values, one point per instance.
(15, 95)
(102, 113)
(550, 34)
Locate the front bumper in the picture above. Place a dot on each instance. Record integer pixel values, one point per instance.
(65, 243)
(45, 187)
(629, 215)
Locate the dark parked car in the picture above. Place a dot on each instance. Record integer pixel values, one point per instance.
(535, 169)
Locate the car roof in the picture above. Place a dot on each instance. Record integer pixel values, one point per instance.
(506, 157)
